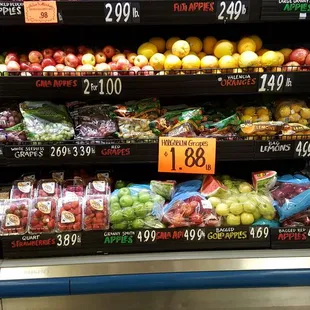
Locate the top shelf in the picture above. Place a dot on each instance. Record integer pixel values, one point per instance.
(162, 12)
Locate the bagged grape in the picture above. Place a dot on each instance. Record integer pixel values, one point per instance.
(132, 207)
(291, 195)
(9, 118)
(45, 121)
(165, 189)
(236, 200)
(92, 121)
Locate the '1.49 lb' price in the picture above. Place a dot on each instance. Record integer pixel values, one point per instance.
(232, 10)
(72, 151)
(102, 87)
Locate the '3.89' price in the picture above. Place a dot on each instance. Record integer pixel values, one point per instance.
(68, 240)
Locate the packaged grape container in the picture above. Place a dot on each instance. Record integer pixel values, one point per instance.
(291, 195)
(96, 214)
(73, 188)
(9, 118)
(15, 217)
(98, 187)
(69, 217)
(237, 201)
(21, 189)
(48, 188)
(45, 121)
(43, 215)
(132, 208)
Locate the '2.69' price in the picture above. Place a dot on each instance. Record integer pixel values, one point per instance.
(232, 10)
(107, 87)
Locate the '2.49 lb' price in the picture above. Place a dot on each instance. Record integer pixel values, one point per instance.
(102, 87)
(232, 10)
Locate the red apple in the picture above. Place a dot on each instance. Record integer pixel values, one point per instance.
(23, 58)
(87, 70)
(48, 53)
(25, 65)
(102, 67)
(82, 49)
(25, 74)
(140, 61)
(307, 61)
(11, 56)
(69, 71)
(69, 50)
(116, 57)
(131, 57)
(299, 55)
(123, 64)
(71, 61)
(46, 62)
(49, 71)
(100, 58)
(291, 66)
(60, 67)
(13, 66)
(109, 51)
(113, 65)
(80, 56)
(35, 67)
(59, 56)
(35, 57)
(148, 70)
(134, 70)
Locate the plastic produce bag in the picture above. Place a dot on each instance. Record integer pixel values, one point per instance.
(92, 121)
(299, 219)
(237, 201)
(254, 114)
(165, 189)
(291, 195)
(132, 207)
(188, 209)
(9, 118)
(45, 121)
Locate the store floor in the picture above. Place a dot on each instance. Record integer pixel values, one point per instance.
(294, 298)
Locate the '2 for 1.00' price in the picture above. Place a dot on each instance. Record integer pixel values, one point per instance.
(102, 87)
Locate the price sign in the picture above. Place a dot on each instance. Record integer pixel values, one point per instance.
(233, 10)
(122, 12)
(146, 236)
(259, 233)
(69, 240)
(273, 82)
(40, 12)
(194, 234)
(302, 149)
(184, 155)
(102, 86)
(72, 151)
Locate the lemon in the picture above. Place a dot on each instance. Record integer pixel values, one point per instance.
(172, 62)
(264, 118)
(234, 47)
(258, 41)
(236, 56)
(305, 113)
(180, 48)
(293, 118)
(270, 59)
(303, 121)
(284, 111)
(195, 44)
(192, 53)
(209, 62)
(160, 43)
(223, 48)
(191, 62)
(227, 62)
(209, 44)
(249, 111)
(170, 42)
(248, 59)
(296, 107)
(286, 53)
(262, 51)
(201, 55)
(246, 118)
(280, 58)
(157, 61)
(147, 49)
(168, 52)
(246, 44)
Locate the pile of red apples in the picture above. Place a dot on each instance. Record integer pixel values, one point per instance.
(297, 59)
(76, 61)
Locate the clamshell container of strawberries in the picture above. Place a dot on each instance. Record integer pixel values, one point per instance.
(98, 187)
(96, 212)
(69, 216)
(48, 188)
(43, 215)
(15, 217)
(73, 187)
(189, 210)
(22, 189)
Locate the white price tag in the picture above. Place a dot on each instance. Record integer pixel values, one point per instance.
(232, 10)
(259, 232)
(69, 240)
(122, 12)
(146, 236)
(102, 87)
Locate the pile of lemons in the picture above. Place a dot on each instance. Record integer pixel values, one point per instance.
(211, 55)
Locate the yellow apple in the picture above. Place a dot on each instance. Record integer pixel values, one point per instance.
(157, 61)
(88, 59)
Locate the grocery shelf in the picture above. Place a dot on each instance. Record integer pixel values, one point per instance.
(119, 151)
(151, 272)
(155, 12)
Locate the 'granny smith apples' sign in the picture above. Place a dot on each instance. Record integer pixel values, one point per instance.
(187, 155)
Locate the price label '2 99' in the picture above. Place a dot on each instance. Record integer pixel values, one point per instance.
(185, 155)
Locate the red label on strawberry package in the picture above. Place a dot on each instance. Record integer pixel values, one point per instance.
(96, 213)
(69, 215)
(15, 218)
(43, 215)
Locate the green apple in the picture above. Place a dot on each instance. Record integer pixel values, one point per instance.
(234, 190)
(136, 203)
(121, 225)
(245, 187)
(236, 208)
(222, 209)
(233, 220)
(257, 215)
(144, 197)
(159, 199)
(140, 210)
(129, 214)
(115, 206)
(120, 184)
(113, 199)
(228, 183)
(149, 206)
(247, 218)
(126, 201)
(269, 217)
(123, 191)
(116, 217)
(137, 224)
(214, 201)
(243, 198)
(249, 206)
(225, 177)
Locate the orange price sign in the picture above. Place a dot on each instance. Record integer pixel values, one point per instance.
(40, 12)
(187, 155)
